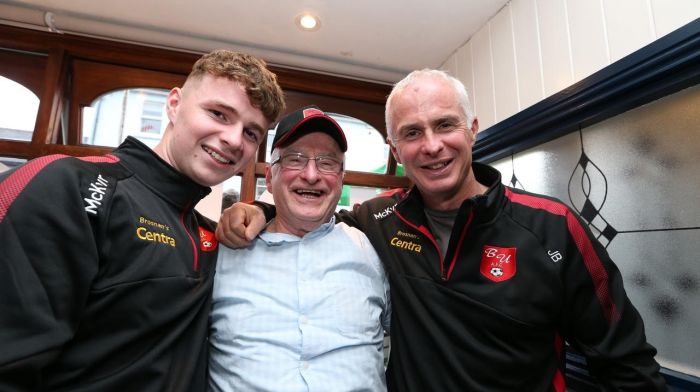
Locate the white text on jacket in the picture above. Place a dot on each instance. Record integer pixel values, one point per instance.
(98, 191)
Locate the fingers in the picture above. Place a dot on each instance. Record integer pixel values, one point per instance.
(231, 230)
(255, 225)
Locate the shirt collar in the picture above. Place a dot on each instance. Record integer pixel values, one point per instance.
(276, 239)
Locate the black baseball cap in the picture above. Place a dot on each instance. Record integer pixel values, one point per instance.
(304, 121)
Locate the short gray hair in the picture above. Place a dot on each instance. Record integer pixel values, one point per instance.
(457, 85)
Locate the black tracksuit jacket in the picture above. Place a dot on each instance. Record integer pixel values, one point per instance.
(522, 275)
(105, 276)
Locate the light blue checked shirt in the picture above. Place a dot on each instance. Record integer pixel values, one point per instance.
(300, 314)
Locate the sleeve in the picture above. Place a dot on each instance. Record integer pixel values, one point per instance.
(600, 320)
(386, 317)
(48, 260)
(268, 209)
(374, 260)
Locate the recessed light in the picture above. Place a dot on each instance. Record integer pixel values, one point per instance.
(308, 22)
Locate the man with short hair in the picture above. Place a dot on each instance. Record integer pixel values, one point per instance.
(304, 307)
(488, 282)
(106, 269)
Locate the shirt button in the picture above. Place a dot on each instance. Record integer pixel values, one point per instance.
(304, 365)
(303, 319)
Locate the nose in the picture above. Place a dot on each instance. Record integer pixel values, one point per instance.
(310, 172)
(232, 136)
(432, 142)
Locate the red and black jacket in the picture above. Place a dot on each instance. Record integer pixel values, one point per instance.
(522, 274)
(106, 275)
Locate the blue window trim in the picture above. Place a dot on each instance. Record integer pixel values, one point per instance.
(663, 67)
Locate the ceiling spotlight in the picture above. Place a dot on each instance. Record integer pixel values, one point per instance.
(308, 22)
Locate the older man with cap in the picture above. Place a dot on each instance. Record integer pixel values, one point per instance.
(304, 308)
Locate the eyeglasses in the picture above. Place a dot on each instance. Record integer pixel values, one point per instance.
(298, 161)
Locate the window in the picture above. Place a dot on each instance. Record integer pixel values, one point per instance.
(153, 116)
(7, 163)
(18, 109)
(110, 102)
(93, 93)
(138, 112)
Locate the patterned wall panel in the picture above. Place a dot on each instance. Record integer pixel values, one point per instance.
(634, 178)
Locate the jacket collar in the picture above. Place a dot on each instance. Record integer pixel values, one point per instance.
(158, 175)
(486, 206)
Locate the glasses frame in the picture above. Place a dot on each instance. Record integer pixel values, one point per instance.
(298, 155)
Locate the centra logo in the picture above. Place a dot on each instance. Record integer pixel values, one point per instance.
(146, 235)
(408, 245)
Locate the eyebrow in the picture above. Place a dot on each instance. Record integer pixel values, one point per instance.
(257, 127)
(448, 117)
(229, 108)
(407, 126)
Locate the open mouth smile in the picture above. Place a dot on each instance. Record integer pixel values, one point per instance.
(438, 165)
(217, 157)
(308, 193)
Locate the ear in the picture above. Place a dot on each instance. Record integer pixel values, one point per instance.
(393, 149)
(268, 178)
(474, 130)
(172, 103)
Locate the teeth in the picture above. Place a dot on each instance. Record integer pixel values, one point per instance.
(307, 192)
(216, 156)
(437, 165)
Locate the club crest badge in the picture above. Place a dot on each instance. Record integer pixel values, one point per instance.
(207, 240)
(498, 264)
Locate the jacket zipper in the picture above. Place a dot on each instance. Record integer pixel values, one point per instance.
(459, 244)
(424, 230)
(194, 244)
(444, 274)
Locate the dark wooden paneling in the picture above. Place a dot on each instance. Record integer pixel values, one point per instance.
(74, 70)
(26, 69)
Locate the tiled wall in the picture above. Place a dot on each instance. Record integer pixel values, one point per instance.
(635, 179)
(534, 48)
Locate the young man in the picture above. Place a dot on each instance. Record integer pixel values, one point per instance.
(107, 270)
(488, 282)
(305, 307)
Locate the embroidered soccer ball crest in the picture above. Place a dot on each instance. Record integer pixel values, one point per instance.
(207, 240)
(498, 264)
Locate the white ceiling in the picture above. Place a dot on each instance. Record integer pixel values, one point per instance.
(377, 40)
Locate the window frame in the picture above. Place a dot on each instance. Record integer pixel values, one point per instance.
(79, 69)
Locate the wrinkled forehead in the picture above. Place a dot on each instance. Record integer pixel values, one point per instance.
(427, 90)
(426, 103)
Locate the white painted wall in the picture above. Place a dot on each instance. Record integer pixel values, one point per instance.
(532, 49)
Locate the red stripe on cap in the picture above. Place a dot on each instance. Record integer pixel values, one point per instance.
(590, 258)
(15, 183)
(312, 112)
